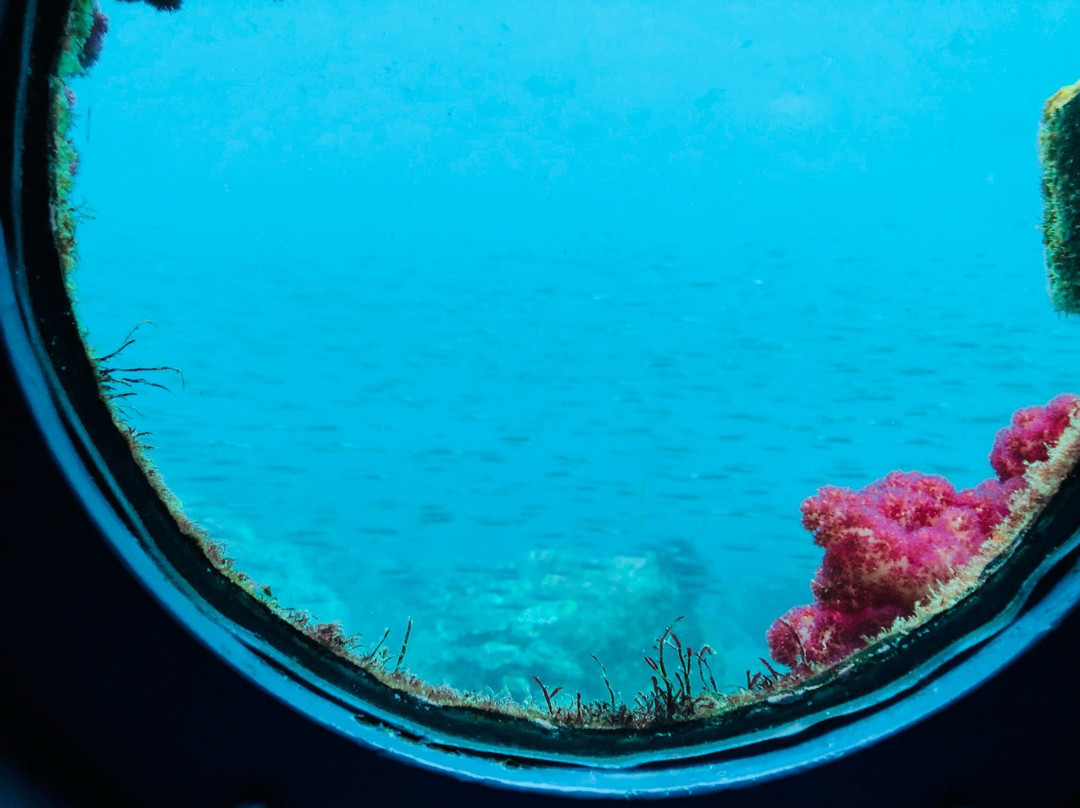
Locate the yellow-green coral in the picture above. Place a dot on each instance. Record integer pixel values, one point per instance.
(65, 159)
(1059, 152)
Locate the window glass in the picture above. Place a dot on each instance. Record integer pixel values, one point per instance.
(525, 328)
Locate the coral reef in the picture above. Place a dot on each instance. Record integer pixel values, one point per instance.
(890, 545)
(83, 41)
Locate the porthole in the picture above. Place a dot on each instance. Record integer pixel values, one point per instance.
(600, 310)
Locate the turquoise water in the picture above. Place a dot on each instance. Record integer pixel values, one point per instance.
(535, 322)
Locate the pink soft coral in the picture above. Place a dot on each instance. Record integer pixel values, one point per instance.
(888, 544)
(1028, 438)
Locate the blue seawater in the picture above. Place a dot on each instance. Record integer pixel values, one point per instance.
(534, 322)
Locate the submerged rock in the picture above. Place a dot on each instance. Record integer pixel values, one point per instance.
(548, 615)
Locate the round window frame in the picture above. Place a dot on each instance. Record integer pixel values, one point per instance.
(889, 687)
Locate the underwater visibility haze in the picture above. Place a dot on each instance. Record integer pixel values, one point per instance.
(529, 326)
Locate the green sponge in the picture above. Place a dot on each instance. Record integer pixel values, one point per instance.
(1059, 153)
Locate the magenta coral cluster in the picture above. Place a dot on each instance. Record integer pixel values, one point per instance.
(1030, 435)
(95, 41)
(161, 5)
(888, 544)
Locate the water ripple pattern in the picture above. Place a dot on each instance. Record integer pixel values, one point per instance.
(536, 321)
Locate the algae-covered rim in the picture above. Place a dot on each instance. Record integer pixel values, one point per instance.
(888, 686)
